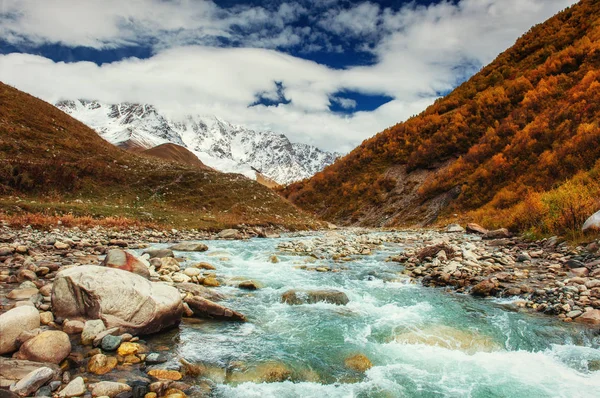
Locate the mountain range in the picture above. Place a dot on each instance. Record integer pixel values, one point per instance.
(221, 145)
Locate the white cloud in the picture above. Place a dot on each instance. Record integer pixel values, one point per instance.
(418, 50)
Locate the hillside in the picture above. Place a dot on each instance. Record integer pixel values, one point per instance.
(50, 162)
(219, 144)
(175, 153)
(510, 135)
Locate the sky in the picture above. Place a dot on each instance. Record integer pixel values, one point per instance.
(325, 72)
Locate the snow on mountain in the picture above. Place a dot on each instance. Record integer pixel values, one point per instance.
(218, 144)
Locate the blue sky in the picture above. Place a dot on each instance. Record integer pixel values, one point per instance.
(325, 72)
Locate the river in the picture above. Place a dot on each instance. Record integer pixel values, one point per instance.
(422, 342)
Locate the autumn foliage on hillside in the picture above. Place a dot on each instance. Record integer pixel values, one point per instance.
(522, 126)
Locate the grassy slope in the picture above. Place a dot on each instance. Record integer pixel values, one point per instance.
(50, 162)
(524, 125)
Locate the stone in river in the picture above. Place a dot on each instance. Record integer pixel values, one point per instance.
(189, 247)
(75, 388)
(126, 261)
(204, 308)
(50, 346)
(91, 329)
(484, 288)
(591, 317)
(358, 363)
(159, 253)
(101, 364)
(109, 389)
(34, 380)
(296, 297)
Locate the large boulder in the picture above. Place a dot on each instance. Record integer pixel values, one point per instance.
(119, 298)
(50, 346)
(591, 317)
(497, 234)
(485, 288)
(13, 323)
(126, 261)
(592, 223)
(204, 308)
(295, 297)
(189, 247)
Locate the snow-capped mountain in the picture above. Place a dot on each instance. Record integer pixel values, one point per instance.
(218, 144)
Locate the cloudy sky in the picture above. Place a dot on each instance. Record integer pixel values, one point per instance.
(325, 72)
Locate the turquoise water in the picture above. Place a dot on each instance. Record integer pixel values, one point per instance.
(422, 342)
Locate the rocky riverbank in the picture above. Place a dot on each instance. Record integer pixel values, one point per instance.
(76, 306)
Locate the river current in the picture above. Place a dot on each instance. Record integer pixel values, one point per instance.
(422, 342)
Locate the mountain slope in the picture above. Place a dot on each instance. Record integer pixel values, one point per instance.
(55, 163)
(218, 144)
(175, 153)
(522, 125)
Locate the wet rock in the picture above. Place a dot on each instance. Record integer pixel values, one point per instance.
(155, 358)
(164, 374)
(189, 247)
(46, 317)
(91, 329)
(484, 288)
(101, 364)
(75, 388)
(190, 271)
(249, 285)
(476, 229)
(203, 265)
(111, 343)
(13, 323)
(109, 389)
(202, 291)
(580, 272)
(50, 346)
(590, 317)
(358, 363)
(159, 253)
(100, 336)
(126, 261)
(204, 308)
(211, 281)
(295, 297)
(268, 372)
(34, 380)
(119, 298)
(450, 338)
(13, 370)
(129, 348)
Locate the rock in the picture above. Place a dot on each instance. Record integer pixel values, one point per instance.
(497, 234)
(119, 298)
(164, 374)
(484, 288)
(202, 291)
(592, 223)
(100, 336)
(358, 363)
(91, 329)
(207, 266)
(126, 261)
(180, 278)
(50, 346)
(73, 327)
(61, 246)
(229, 234)
(574, 314)
(13, 370)
(22, 294)
(211, 281)
(192, 271)
(580, 272)
(454, 228)
(574, 264)
(450, 338)
(590, 317)
(46, 317)
(432, 251)
(476, 229)
(13, 323)
(268, 372)
(189, 247)
(159, 253)
(249, 285)
(274, 259)
(111, 343)
(204, 308)
(75, 388)
(101, 364)
(109, 389)
(128, 348)
(295, 297)
(155, 358)
(34, 380)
